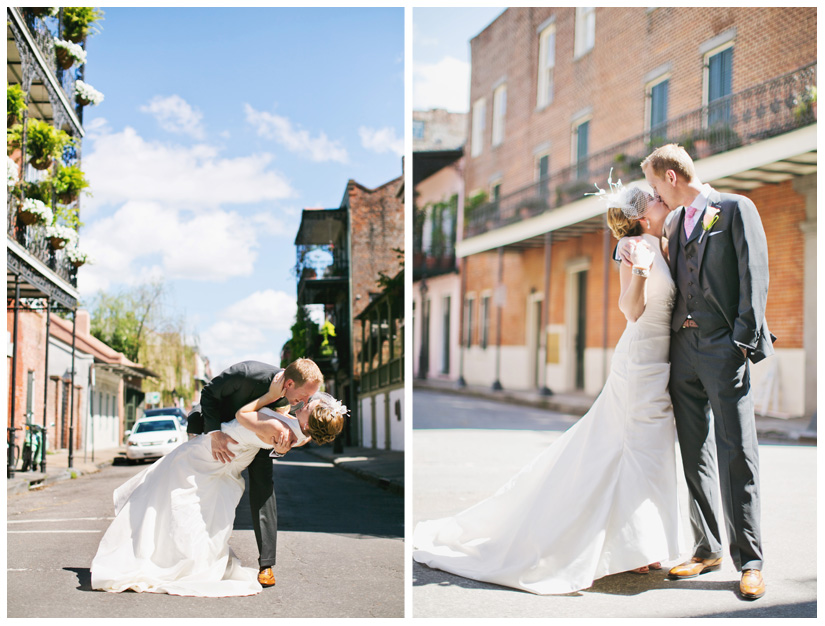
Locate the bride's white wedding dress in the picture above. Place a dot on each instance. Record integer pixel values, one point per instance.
(600, 500)
(173, 521)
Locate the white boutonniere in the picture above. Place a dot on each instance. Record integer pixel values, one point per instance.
(710, 218)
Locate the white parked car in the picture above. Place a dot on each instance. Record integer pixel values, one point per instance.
(152, 437)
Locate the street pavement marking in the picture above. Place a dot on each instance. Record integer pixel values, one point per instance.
(23, 532)
(67, 519)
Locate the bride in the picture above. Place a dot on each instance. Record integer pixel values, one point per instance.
(602, 499)
(173, 520)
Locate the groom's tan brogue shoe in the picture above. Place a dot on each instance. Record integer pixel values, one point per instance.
(752, 585)
(266, 578)
(693, 568)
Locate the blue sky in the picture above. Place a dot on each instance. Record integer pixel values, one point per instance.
(218, 126)
(441, 55)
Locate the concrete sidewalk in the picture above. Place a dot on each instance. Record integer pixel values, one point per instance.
(795, 430)
(384, 468)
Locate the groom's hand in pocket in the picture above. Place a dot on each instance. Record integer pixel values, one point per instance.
(220, 446)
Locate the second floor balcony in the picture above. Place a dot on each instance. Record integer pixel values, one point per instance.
(322, 264)
(778, 106)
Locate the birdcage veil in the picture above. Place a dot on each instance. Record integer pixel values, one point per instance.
(334, 404)
(631, 200)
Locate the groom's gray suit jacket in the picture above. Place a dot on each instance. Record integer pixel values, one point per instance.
(731, 265)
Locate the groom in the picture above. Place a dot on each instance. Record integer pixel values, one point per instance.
(220, 399)
(719, 261)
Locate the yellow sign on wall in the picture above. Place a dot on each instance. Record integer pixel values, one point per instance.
(553, 348)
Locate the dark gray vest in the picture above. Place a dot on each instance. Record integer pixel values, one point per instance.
(687, 275)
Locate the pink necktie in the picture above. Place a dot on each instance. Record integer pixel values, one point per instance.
(690, 213)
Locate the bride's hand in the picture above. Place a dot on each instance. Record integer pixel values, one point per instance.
(642, 255)
(625, 248)
(283, 442)
(220, 446)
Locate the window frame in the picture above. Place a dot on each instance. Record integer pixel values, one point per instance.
(499, 114)
(543, 99)
(479, 124)
(585, 31)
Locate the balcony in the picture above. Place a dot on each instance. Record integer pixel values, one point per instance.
(31, 60)
(35, 247)
(770, 109)
(322, 267)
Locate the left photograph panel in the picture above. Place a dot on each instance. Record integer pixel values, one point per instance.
(205, 312)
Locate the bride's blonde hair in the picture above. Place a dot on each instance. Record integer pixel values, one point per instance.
(621, 225)
(326, 420)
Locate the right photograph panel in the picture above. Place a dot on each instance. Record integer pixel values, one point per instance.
(614, 311)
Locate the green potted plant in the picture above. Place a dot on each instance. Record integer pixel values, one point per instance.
(68, 53)
(79, 21)
(12, 173)
(42, 12)
(806, 104)
(44, 143)
(68, 182)
(15, 104)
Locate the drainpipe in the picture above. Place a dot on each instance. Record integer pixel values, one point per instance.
(46, 389)
(71, 393)
(548, 242)
(11, 431)
(499, 306)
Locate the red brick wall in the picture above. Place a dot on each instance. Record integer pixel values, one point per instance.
(377, 221)
(629, 43)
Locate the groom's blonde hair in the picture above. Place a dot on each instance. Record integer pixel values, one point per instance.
(671, 157)
(303, 371)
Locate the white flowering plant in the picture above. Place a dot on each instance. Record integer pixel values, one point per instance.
(39, 209)
(72, 49)
(12, 173)
(58, 231)
(77, 256)
(85, 93)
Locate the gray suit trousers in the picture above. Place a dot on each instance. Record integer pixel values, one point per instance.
(711, 370)
(264, 507)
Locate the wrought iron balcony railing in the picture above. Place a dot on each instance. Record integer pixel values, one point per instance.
(43, 30)
(772, 108)
(34, 240)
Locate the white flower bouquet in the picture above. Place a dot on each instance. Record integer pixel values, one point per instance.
(86, 94)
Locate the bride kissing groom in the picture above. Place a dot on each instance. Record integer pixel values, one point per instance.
(602, 499)
(173, 519)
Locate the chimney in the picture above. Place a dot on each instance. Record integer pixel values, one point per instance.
(84, 323)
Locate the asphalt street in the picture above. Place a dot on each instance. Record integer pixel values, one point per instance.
(466, 448)
(340, 550)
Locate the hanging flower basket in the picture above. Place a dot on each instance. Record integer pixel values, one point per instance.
(42, 162)
(67, 198)
(77, 257)
(85, 94)
(64, 59)
(68, 53)
(34, 212)
(59, 236)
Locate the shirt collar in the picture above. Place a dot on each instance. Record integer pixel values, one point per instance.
(701, 201)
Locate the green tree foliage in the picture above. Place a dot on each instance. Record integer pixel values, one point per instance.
(121, 320)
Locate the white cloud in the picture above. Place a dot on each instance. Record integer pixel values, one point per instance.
(124, 167)
(281, 129)
(442, 85)
(253, 328)
(175, 115)
(381, 140)
(148, 238)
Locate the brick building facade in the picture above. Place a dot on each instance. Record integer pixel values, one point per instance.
(561, 95)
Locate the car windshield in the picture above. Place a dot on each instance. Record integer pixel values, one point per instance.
(155, 425)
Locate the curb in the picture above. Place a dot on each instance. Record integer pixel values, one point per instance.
(393, 486)
(25, 482)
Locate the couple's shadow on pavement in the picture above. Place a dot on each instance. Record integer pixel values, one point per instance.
(625, 584)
